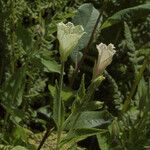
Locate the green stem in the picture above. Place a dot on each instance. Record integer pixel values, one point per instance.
(134, 87)
(60, 106)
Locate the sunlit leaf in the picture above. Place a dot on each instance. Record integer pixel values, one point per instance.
(90, 119)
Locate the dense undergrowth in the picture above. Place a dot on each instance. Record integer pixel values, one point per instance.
(109, 115)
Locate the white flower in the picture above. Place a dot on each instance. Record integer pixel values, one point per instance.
(105, 55)
(68, 36)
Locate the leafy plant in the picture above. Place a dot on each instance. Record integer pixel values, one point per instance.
(55, 92)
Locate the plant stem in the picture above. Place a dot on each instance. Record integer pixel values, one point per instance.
(46, 135)
(60, 105)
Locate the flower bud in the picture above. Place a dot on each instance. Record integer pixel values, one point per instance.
(68, 36)
(105, 55)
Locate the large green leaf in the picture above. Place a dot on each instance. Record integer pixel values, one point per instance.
(90, 119)
(78, 135)
(127, 14)
(86, 16)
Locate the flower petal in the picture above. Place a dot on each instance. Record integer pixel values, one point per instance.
(68, 36)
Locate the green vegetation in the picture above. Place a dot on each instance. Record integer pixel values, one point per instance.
(55, 90)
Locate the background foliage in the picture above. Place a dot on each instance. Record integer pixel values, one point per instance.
(29, 67)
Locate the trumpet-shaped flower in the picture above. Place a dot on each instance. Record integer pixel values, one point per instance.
(68, 36)
(105, 55)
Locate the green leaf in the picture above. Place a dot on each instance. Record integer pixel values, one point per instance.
(55, 92)
(90, 119)
(86, 16)
(66, 93)
(9, 147)
(55, 103)
(79, 98)
(16, 115)
(103, 141)
(128, 36)
(5, 147)
(45, 113)
(20, 133)
(51, 65)
(127, 14)
(19, 148)
(14, 89)
(81, 91)
(93, 105)
(92, 87)
(78, 135)
(82, 102)
(24, 36)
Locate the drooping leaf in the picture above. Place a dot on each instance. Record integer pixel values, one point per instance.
(127, 14)
(86, 16)
(78, 135)
(90, 119)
